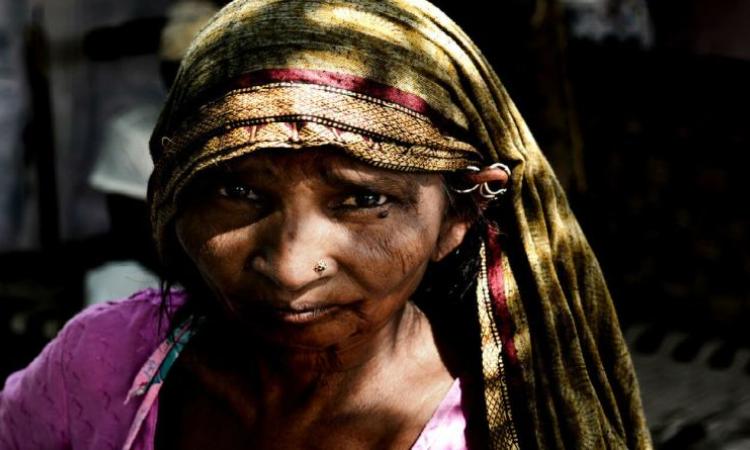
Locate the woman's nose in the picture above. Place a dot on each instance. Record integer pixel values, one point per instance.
(296, 251)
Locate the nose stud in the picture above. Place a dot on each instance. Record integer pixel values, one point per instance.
(320, 266)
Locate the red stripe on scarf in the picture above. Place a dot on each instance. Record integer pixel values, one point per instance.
(496, 283)
(344, 81)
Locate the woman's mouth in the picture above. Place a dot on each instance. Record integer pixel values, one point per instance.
(303, 315)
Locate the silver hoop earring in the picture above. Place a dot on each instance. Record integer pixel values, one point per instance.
(471, 189)
(485, 191)
(502, 167)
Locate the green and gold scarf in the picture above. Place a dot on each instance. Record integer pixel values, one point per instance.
(396, 83)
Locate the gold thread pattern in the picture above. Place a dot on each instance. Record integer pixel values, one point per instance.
(502, 432)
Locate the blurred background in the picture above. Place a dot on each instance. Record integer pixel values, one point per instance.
(643, 108)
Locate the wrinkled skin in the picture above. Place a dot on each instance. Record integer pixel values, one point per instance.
(260, 227)
(338, 358)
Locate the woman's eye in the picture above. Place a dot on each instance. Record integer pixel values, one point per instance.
(238, 191)
(365, 200)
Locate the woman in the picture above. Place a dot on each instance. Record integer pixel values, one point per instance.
(328, 188)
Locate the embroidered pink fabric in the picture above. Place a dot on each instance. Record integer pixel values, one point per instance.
(73, 395)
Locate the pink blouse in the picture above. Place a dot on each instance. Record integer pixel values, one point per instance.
(92, 387)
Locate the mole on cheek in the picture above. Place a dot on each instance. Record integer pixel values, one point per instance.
(383, 214)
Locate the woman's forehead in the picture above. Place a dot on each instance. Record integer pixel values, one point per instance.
(279, 161)
(328, 164)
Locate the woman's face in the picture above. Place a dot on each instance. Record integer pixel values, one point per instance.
(257, 231)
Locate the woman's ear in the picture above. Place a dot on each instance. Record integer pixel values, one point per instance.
(452, 233)
(495, 175)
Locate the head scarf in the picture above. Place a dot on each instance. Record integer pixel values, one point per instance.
(398, 84)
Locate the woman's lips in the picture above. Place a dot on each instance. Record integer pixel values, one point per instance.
(303, 315)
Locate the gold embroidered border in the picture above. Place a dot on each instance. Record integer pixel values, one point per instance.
(286, 101)
(502, 432)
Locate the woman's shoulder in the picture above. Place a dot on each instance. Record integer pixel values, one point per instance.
(118, 334)
(145, 315)
(80, 381)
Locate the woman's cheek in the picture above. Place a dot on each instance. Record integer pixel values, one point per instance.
(383, 258)
(219, 257)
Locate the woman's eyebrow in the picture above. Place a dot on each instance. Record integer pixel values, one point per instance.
(406, 186)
